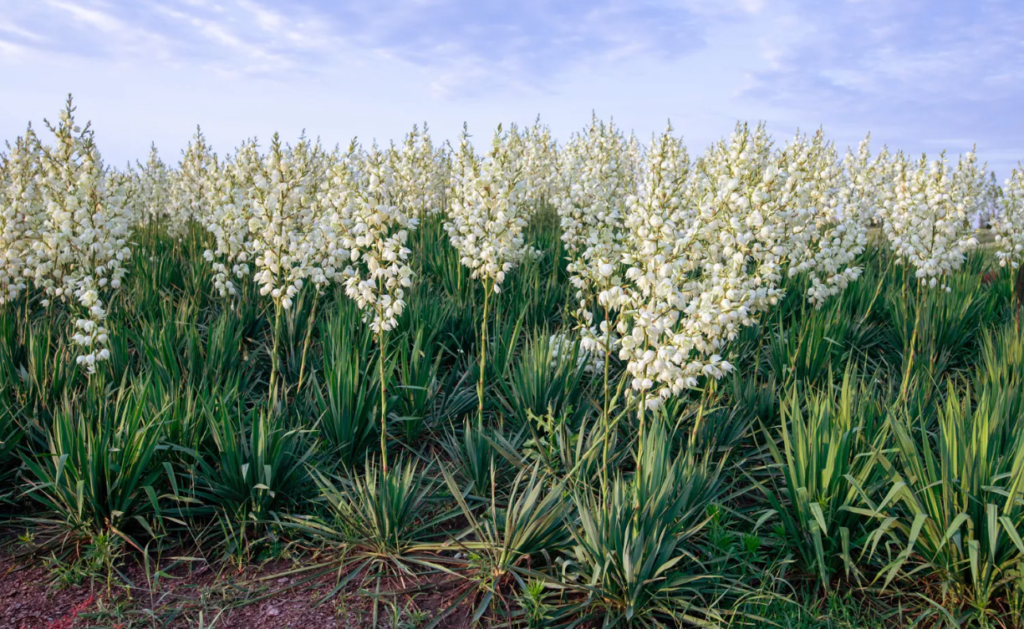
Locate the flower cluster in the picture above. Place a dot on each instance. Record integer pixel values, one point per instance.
(652, 296)
(864, 183)
(153, 197)
(540, 163)
(707, 248)
(737, 240)
(229, 191)
(82, 226)
(822, 239)
(420, 175)
(488, 212)
(596, 181)
(275, 216)
(193, 186)
(287, 234)
(590, 359)
(928, 214)
(20, 214)
(374, 229)
(299, 215)
(1008, 224)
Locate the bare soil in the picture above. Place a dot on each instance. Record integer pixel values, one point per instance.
(255, 598)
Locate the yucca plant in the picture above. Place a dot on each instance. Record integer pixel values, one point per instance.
(443, 268)
(724, 419)
(298, 334)
(347, 400)
(10, 436)
(101, 471)
(37, 371)
(821, 457)
(936, 328)
(482, 455)
(502, 347)
(954, 510)
(381, 511)
(632, 558)
(999, 369)
(504, 543)
(547, 378)
(580, 452)
(539, 291)
(814, 344)
(181, 347)
(185, 408)
(254, 469)
(417, 382)
(384, 519)
(158, 276)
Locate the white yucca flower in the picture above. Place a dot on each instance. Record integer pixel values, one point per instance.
(229, 193)
(991, 205)
(735, 245)
(420, 175)
(128, 182)
(596, 180)
(928, 214)
(657, 359)
(488, 210)
(288, 244)
(708, 249)
(20, 214)
(374, 228)
(562, 345)
(636, 154)
(822, 238)
(271, 217)
(193, 187)
(540, 164)
(865, 183)
(82, 244)
(153, 197)
(1008, 223)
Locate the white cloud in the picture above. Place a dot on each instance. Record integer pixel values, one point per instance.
(23, 33)
(12, 51)
(91, 17)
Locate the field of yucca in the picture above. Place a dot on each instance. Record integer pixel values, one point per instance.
(590, 385)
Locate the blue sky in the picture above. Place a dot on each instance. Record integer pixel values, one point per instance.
(920, 75)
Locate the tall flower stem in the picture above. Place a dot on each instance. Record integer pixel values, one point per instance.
(904, 388)
(640, 441)
(274, 360)
(383, 402)
(488, 288)
(309, 334)
(606, 415)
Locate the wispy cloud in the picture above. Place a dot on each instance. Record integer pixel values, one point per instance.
(478, 46)
(913, 51)
(234, 36)
(469, 46)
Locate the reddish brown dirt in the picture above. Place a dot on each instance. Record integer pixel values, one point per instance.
(252, 599)
(26, 601)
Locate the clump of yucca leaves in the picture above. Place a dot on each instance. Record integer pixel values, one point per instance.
(953, 509)
(822, 458)
(634, 558)
(100, 471)
(253, 468)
